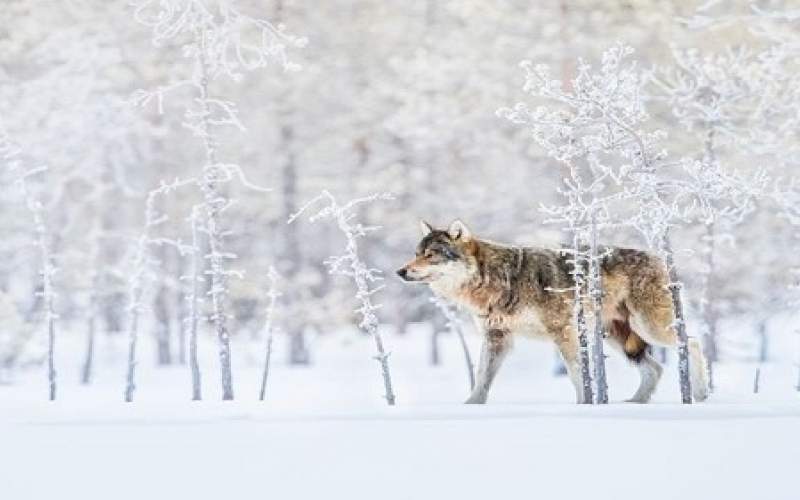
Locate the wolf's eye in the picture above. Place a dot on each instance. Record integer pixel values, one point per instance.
(429, 253)
(450, 254)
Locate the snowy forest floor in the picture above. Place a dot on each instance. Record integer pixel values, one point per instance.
(324, 431)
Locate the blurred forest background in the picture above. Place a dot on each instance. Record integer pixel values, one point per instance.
(396, 97)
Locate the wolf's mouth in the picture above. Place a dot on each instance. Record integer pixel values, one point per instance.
(404, 274)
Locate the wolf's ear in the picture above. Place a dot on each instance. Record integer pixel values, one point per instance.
(425, 228)
(459, 231)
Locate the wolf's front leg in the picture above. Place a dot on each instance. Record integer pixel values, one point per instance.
(496, 344)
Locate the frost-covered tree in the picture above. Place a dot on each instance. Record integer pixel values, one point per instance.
(351, 264)
(220, 41)
(143, 272)
(11, 155)
(717, 95)
(606, 115)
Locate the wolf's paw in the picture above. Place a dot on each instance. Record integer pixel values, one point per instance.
(474, 400)
(700, 395)
(638, 400)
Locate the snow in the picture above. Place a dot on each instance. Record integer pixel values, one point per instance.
(325, 433)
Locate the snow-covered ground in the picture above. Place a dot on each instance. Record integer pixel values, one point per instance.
(324, 432)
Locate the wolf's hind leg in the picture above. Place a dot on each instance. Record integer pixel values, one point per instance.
(496, 344)
(622, 337)
(655, 326)
(649, 373)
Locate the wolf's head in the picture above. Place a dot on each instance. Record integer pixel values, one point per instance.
(445, 259)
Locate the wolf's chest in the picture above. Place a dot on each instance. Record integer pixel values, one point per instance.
(526, 323)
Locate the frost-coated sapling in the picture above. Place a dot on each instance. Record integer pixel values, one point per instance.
(603, 121)
(718, 94)
(456, 326)
(269, 327)
(143, 271)
(350, 264)
(10, 154)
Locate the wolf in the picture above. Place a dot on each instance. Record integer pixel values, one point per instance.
(525, 291)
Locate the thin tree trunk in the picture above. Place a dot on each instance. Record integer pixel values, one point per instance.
(292, 252)
(86, 369)
(47, 271)
(596, 293)
(130, 386)
(181, 312)
(214, 204)
(675, 287)
(161, 314)
(435, 357)
(369, 321)
(9, 152)
(93, 306)
(273, 295)
(707, 302)
(383, 358)
(298, 348)
(265, 374)
(194, 365)
(455, 326)
(136, 286)
(798, 378)
(708, 288)
(756, 380)
(467, 357)
(579, 319)
(763, 341)
(51, 349)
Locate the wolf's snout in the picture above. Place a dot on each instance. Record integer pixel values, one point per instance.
(403, 273)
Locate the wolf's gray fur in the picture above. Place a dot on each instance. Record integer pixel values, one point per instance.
(526, 291)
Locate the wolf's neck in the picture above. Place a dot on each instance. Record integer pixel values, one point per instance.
(492, 288)
(450, 285)
(473, 294)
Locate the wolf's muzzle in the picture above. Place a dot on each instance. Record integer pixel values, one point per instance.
(403, 273)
